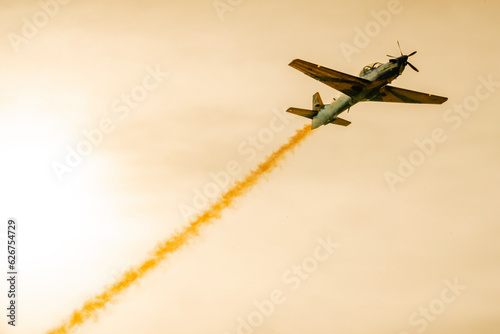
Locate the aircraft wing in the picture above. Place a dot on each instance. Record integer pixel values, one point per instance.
(345, 83)
(395, 94)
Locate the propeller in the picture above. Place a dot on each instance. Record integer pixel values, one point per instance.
(413, 67)
(404, 58)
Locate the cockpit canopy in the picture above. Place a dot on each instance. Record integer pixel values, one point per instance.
(368, 68)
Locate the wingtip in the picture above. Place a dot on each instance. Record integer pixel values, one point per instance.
(443, 99)
(295, 61)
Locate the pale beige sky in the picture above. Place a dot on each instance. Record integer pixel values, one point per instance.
(218, 84)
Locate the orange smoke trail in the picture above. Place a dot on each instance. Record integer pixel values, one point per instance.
(92, 306)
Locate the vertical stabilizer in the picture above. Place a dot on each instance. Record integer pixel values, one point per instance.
(317, 102)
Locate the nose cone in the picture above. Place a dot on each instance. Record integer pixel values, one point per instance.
(402, 63)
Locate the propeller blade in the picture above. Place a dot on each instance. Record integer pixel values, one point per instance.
(413, 67)
(390, 56)
(411, 54)
(399, 46)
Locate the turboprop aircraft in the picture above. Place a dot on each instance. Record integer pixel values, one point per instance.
(371, 85)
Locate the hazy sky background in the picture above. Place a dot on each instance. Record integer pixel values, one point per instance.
(227, 80)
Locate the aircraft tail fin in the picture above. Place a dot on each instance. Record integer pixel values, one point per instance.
(317, 103)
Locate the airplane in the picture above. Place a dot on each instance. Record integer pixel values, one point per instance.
(371, 85)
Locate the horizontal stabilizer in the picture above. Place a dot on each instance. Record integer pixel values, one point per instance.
(340, 121)
(302, 112)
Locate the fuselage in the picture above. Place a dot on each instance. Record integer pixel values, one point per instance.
(380, 75)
